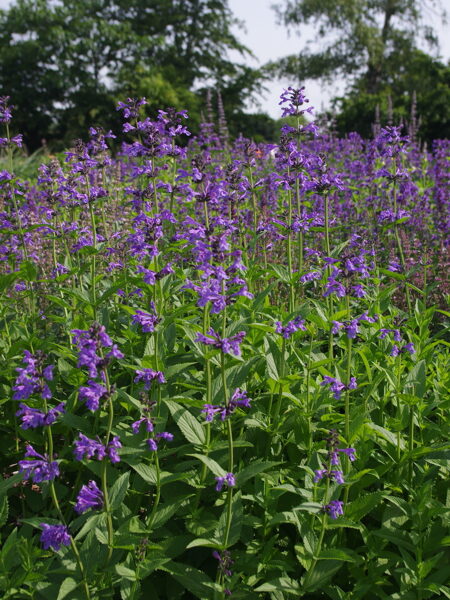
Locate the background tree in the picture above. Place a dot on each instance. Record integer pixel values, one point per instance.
(65, 63)
(372, 44)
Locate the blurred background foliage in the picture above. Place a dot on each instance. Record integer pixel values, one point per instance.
(66, 63)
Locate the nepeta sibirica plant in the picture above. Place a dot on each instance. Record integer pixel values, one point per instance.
(225, 365)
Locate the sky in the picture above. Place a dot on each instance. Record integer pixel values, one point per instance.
(269, 41)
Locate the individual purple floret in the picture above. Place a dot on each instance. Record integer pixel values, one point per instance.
(32, 417)
(146, 320)
(31, 377)
(92, 394)
(40, 469)
(54, 536)
(164, 435)
(291, 327)
(149, 375)
(334, 508)
(228, 480)
(112, 448)
(90, 496)
(229, 345)
(350, 452)
(149, 426)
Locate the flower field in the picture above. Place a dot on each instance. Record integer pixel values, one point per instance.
(225, 365)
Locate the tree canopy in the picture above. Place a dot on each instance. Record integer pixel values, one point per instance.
(65, 63)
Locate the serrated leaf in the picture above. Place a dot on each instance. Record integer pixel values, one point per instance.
(356, 509)
(68, 585)
(253, 469)
(188, 424)
(282, 584)
(338, 554)
(118, 491)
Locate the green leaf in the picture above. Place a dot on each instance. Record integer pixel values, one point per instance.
(192, 579)
(125, 572)
(4, 510)
(416, 380)
(282, 584)
(236, 522)
(323, 572)
(211, 464)
(8, 483)
(342, 554)
(188, 424)
(258, 466)
(362, 505)
(118, 490)
(68, 585)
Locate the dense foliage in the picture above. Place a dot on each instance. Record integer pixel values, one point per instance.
(224, 367)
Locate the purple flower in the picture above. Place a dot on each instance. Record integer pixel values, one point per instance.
(112, 448)
(137, 425)
(320, 474)
(229, 345)
(352, 328)
(92, 394)
(147, 321)
(54, 536)
(291, 327)
(225, 562)
(164, 435)
(336, 475)
(89, 343)
(40, 469)
(152, 444)
(32, 417)
(350, 452)
(31, 377)
(334, 508)
(239, 398)
(409, 348)
(90, 496)
(336, 326)
(87, 448)
(228, 480)
(336, 386)
(149, 375)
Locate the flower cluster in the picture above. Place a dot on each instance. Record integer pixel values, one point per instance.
(39, 468)
(229, 345)
(90, 343)
(90, 496)
(229, 480)
(291, 327)
(87, 448)
(54, 536)
(32, 417)
(147, 376)
(32, 377)
(238, 399)
(337, 387)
